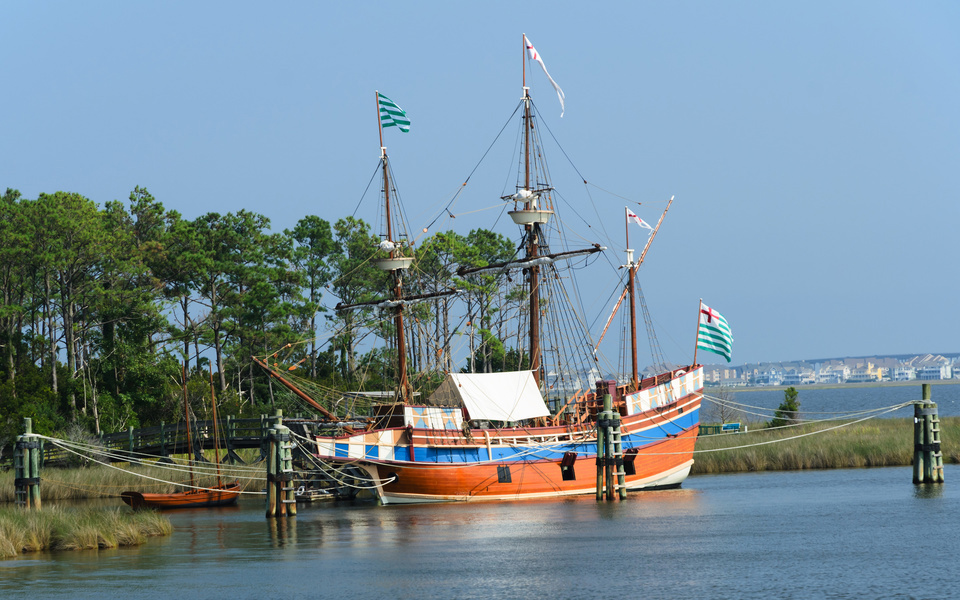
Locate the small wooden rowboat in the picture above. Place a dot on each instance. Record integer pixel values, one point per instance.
(216, 496)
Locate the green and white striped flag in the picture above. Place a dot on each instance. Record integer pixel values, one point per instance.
(714, 334)
(392, 115)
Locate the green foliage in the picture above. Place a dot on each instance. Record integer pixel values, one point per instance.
(356, 280)
(29, 395)
(100, 306)
(786, 413)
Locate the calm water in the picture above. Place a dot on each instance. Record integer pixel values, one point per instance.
(867, 533)
(818, 403)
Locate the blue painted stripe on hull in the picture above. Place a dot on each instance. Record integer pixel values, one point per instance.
(553, 453)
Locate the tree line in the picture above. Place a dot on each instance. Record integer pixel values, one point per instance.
(109, 313)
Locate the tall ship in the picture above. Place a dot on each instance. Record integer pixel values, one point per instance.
(529, 430)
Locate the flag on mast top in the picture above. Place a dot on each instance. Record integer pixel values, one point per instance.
(391, 115)
(632, 216)
(534, 55)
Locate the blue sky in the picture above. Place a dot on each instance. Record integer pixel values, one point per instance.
(812, 146)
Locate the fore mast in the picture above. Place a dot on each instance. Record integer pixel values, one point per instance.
(396, 262)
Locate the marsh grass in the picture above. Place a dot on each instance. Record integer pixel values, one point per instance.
(874, 443)
(99, 481)
(76, 529)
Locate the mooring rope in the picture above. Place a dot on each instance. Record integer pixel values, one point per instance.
(839, 415)
(335, 470)
(798, 436)
(867, 415)
(181, 467)
(328, 468)
(56, 442)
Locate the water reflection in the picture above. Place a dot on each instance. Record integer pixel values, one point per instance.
(928, 490)
(719, 536)
(283, 531)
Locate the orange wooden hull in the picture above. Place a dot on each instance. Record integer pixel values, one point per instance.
(430, 464)
(661, 465)
(218, 496)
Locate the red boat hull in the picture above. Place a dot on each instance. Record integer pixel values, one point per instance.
(219, 496)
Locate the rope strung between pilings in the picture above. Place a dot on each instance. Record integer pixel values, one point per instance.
(129, 456)
(795, 437)
(337, 467)
(870, 414)
(180, 467)
(841, 415)
(770, 413)
(56, 442)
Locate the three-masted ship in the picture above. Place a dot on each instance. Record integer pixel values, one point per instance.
(491, 436)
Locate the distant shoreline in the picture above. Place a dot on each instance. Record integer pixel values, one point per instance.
(829, 386)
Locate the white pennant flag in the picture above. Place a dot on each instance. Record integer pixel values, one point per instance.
(632, 216)
(534, 55)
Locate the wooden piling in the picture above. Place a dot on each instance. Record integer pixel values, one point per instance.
(608, 447)
(164, 453)
(281, 500)
(271, 472)
(618, 456)
(918, 442)
(26, 464)
(611, 478)
(288, 498)
(600, 459)
(927, 455)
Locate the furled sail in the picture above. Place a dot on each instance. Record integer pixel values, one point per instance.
(509, 396)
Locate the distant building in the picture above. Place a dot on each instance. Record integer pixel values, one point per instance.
(799, 377)
(836, 373)
(770, 377)
(934, 372)
(831, 377)
(904, 373)
(866, 373)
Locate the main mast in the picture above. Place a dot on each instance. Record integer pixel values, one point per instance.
(533, 243)
(536, 211)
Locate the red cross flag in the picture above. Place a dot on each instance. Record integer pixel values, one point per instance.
(534, 55)
(632, 216)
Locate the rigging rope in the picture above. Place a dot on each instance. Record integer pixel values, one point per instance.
(57, 442)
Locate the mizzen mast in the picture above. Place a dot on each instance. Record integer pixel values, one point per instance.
(635, 380)
(635, 375)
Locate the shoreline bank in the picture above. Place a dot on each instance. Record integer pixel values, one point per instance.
(873, 443)
(56, 529)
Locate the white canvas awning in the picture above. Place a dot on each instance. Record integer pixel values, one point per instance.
(511, 396)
